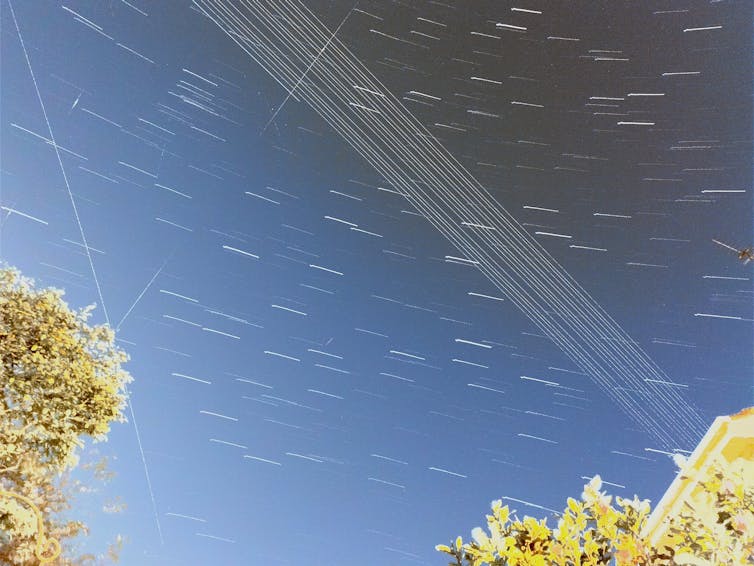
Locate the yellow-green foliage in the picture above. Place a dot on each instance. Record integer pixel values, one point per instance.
(719, 528)
(592, 532)
(61, 380)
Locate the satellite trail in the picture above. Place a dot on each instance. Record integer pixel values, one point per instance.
(299, 52)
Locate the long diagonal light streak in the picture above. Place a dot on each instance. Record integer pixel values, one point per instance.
(89, 255)
(290, 93)
(143, 292)
(290, 43)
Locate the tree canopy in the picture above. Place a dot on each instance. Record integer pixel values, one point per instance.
(61, 380)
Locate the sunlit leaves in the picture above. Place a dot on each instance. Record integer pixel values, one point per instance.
(719, 529)
(61, 380)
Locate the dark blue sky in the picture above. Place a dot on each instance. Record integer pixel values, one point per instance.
(306, 415)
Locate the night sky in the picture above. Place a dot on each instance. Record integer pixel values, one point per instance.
(321, 377)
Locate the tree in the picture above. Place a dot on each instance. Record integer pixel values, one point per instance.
(61, 380)
(718, 530)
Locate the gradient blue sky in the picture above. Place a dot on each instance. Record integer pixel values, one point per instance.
(371, 401)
